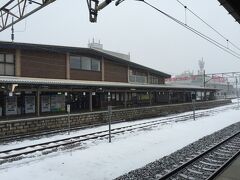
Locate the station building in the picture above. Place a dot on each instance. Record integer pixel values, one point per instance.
(38, 80)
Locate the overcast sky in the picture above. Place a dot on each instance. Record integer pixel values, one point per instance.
(152, 39)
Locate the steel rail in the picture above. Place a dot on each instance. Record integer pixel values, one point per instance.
(147, 124)
(34, 135)
(224, 166)
(183, 166)
(95, 135)
(205, 113)
(89, 134)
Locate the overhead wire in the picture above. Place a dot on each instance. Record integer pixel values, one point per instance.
(194, 30)
(214, 29)
(219, 45)
(212, 41)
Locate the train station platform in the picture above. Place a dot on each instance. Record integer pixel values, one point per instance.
(232, 172)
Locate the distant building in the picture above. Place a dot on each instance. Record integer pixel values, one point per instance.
(188, 78)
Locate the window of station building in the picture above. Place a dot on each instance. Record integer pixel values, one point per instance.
(153, 80)
(1, 57)
(9, 58)
(2, 71)
(75, 62)
(84, 63)
(95, 65)
(9, 69)
(7, 64)
(131, 72)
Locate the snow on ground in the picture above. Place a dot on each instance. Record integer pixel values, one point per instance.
(102, 160)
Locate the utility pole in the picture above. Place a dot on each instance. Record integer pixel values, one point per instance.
(237, 91)
(204, 84)
(204, 80)
(12, 29)
(228, 88)
(69, 123)
(109, 117)
(193, 105)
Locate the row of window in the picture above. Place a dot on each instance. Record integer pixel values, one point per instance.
(138, 79)
(7, 67)
(141, 77)
(84, 63)
(7, 64)
(153, 80)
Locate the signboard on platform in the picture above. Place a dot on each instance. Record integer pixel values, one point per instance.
(57, 103)
(45, 106)
(0, 111)
(11, 105)
(68, 108)
(29, 104)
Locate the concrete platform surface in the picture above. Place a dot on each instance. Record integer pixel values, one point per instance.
(232, 172)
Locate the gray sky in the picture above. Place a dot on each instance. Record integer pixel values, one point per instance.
(152, 39)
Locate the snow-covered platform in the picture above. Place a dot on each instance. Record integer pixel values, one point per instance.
(98, 159)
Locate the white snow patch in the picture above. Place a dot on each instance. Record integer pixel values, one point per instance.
(127, 152)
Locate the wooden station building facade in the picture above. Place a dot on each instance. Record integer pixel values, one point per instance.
(42, 79)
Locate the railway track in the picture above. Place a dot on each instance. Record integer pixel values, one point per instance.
(208, 164)
(51, 146)
(54, 132)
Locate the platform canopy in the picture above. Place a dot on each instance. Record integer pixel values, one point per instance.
(93, 84)
(233, 7)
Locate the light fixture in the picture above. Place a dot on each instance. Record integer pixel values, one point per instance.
(13, 87)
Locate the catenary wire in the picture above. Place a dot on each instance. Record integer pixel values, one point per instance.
(196, 32)
(186, 26)
(214, 29)
(219, 45)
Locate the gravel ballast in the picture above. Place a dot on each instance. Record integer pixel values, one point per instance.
(162, 166)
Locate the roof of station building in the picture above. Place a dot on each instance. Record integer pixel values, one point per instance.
(77, 50)
(93, 84)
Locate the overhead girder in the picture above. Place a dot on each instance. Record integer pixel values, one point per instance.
(16, 10)
(93, 12)
(226, 75)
